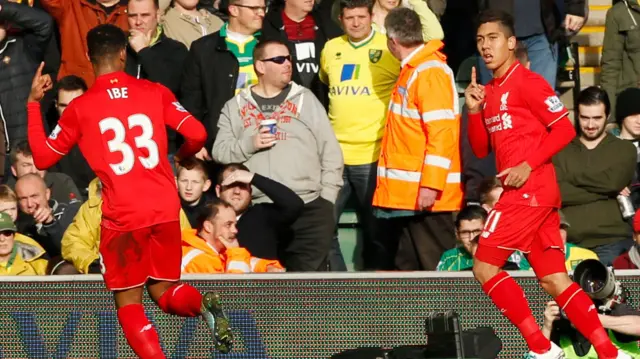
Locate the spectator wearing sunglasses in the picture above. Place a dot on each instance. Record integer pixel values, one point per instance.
(301, 152)
(220, 65)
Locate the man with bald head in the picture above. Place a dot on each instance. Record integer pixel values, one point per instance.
(43, 218)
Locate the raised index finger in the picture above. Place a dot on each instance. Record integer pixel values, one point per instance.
(39, 71)
(473, 76)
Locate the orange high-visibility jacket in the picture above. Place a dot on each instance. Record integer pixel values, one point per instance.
(199, 257)
(421, 142)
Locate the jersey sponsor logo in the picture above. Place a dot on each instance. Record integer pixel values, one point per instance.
(506, 121)
(56, 131)
(350, 91)
(499, 123)
(375, 55)
(179, 106)
(503, 101)
(554, 104)
(350, 72)
(307, 67)
(305, 50)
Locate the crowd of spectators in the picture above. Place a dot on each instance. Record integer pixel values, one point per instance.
(256, 200)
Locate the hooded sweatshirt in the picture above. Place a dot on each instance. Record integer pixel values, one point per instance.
(306, 158)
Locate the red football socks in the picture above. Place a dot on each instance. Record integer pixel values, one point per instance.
(507, 295)
(581, 311)
(182, 300)
(140, 333)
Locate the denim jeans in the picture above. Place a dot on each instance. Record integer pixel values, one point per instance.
(608, 252)
(542, 56)
(360, 181)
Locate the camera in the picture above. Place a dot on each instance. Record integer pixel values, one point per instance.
(600, 284)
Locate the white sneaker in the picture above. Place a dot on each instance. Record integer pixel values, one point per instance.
(622, 355)
(554, 353)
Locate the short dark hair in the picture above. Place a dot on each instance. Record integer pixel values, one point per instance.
(485, 187)
(522, 54)
(504, 19)
(404, 26)
(230, 167)
(71, 83)
(471, 212)
(353, 4)
(104, 42)
(259, 50)
(210, 210)
(21, 147)
(594, 95)
(193, 163)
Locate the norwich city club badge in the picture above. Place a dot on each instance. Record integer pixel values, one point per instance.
(375, 55)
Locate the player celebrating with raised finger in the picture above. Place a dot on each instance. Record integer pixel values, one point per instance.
(120, 127)
(519, 117)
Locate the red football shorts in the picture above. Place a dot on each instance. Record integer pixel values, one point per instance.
(535, 231)
(129, 259)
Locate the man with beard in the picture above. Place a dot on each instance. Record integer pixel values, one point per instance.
(592, 171)
(260, 226)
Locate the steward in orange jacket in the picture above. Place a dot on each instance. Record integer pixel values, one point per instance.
(418, 183)
(421, 142)
(200, 257)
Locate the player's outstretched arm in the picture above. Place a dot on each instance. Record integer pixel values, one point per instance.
(46, 151)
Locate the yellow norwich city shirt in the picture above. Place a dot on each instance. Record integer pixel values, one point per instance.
(361, 78)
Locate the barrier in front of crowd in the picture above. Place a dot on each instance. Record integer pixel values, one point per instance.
(292, 316)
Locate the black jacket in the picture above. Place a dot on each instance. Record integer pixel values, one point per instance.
(262, 225)
(209, 81)
(193, 212)
(551, 17)
(161, 62)
(50, 235)
(326, 29)
(20, 56)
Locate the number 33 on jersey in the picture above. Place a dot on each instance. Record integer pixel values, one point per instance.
(116, 134)
(120, 126)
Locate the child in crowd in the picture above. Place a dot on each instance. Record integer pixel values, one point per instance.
(193, 182)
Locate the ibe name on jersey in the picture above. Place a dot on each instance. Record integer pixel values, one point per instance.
(118, 92)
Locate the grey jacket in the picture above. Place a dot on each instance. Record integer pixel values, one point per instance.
(307, 157)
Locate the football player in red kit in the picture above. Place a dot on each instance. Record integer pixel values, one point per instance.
(120, 127)
(519, 117)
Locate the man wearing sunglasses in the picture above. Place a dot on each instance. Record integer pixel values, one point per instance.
(301, 152)
(220, 65)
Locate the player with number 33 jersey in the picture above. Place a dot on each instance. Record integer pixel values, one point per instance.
(120, 126)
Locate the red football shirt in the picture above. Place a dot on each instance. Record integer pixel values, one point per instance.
(518, 109)
(119, 125)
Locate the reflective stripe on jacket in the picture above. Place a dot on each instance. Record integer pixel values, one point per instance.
(421, 143)
(199, 257)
